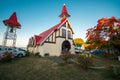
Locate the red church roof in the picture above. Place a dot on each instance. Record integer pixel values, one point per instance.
(12, 21)
(44, 35)
(64, 12)
(37, 39)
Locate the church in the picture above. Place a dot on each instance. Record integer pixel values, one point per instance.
(56, 40)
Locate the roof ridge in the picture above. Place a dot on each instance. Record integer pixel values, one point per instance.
(49, 31)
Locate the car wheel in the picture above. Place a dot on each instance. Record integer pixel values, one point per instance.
(20, 55)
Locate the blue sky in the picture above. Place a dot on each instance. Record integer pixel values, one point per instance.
(36, 16)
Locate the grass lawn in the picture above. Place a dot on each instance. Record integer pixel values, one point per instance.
(34, 68)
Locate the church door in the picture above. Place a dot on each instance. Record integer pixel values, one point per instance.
(66, 46)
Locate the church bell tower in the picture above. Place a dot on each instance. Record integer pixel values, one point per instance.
(10, 34)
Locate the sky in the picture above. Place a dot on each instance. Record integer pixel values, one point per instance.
(36, 16)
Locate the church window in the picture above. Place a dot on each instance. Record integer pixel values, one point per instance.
(63, 33)
(69, 34)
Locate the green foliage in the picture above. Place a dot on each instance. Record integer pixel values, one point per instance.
(96, 41)
(38, 54)
(27, 53)
(61, 64)
(86, 54)
(46, 54)
(106, 45)
(84, 61)
(7, 57)
(117, 45)
(110, 56)
(113, 72)
(66, 56)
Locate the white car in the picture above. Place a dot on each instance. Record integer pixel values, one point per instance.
(78, 50)
(1, 50)
(18, 53)
(15, 51)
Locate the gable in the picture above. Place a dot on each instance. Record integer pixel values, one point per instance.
(70, 27)
(58, 32)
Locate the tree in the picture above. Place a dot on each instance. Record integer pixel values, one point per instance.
(107, 31)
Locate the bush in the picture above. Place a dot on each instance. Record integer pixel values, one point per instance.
(27, 53)
(38, 54)
(86, 54)
(7, 56)
(65, 57)
(84, 61)
(110, 56)
(46, 54)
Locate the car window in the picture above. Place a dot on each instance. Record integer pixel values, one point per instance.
(14, 50)
(5, 48)
(9, 48)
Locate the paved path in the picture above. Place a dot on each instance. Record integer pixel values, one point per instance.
(56, 59)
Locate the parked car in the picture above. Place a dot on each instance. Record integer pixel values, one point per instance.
(1, 50)
(15, 51)
(78, 50)
(19, 53)
(97, 51)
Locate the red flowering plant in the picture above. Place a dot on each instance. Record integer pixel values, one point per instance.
(7, 56)
(107, 30)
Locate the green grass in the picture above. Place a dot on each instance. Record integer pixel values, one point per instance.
(34, 68)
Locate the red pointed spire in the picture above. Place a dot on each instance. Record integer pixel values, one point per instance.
(12, 21)
(64, 12)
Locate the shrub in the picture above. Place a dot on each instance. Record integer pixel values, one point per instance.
(27, 53)
(84, 61)
(86, 54)
(66, 56)
(38, 54)
(110, 56)
(46, 54)
(7, 56)
(61, 64)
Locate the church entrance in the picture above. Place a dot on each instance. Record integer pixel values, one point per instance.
(66, 46)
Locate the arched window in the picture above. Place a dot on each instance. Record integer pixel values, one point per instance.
(69, 34)
(63, 33)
